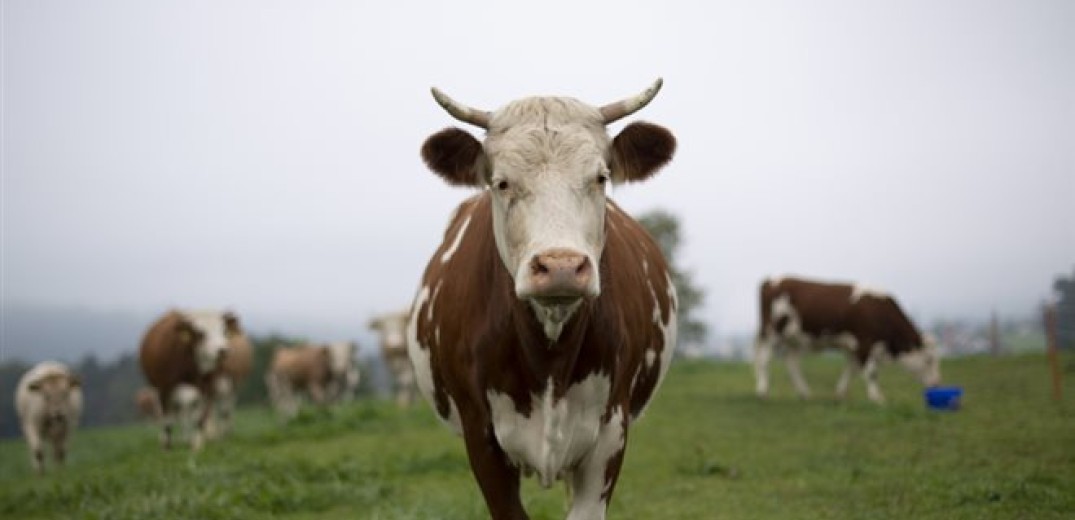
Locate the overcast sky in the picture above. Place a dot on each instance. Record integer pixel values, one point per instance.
(264, 155)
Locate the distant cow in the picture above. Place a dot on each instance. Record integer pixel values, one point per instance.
(187, 347)
(800, 316)
(546, 319)
(304, 369)
(48, 400)
(392, 330)
(345, 375)
(234, 370)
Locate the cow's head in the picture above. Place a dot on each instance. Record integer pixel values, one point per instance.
(208, 334)
(924, 362)
(55, 391)
(392, 328)
(548, 162)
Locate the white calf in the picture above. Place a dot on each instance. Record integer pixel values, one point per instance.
(48, 400)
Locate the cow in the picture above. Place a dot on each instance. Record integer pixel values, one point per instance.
(345, 374)
(800, 316)
(234, 369)
(187, 347)
(48, 400)
(546, 319)
(392, 331)
(299, 369)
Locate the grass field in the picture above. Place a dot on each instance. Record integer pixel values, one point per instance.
(706, 449)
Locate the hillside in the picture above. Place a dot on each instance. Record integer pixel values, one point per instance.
(706, 449)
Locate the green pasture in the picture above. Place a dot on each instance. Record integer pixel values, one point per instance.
(707, 448)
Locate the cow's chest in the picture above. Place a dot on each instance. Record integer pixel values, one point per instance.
(557, 433)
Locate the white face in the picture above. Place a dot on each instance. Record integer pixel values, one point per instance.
(214, 339)
(548, 182)
(393, 330)
(342, 355)
(925, 363)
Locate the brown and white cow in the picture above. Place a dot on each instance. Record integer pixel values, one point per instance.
(392, 331)
(303, 369)
(187, 347)
(800, 316)
(546, 319)
(48, 400)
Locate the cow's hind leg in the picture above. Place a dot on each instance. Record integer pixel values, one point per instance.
(594, 480)
(763, 353)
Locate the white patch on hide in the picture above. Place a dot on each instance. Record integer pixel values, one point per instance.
(558, 433)
(858, 291)
(455, 243)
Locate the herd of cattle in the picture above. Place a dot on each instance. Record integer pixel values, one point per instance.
(543, 325)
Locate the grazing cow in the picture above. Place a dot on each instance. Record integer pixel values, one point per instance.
(187, 347)
(305, 368)
(48, 400)
(392, 329)
(799, 316)
(546, 319)
(234, 369)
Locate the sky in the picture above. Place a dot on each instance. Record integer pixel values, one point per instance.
(263, 155)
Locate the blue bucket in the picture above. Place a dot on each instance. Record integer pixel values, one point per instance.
(943, 397)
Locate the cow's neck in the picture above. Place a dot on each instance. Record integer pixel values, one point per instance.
(548, 357)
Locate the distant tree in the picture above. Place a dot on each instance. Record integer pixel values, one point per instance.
(1065, 310)
(665, 229)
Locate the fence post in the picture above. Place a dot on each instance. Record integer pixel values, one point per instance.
(1051, 345)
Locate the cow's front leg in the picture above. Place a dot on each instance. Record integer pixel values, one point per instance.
(497, 477)
(763, 353)
(594, 480)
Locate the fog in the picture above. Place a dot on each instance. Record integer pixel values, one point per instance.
(264, 155)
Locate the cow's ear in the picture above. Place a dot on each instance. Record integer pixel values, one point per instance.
(231, 323)
(639, 150)
(456, 156)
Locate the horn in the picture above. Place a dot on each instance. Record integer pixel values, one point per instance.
(479, 118)
(625, 107)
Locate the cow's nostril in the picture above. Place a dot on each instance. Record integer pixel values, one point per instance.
(583, 267)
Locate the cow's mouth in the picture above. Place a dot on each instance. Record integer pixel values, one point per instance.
(557, 300)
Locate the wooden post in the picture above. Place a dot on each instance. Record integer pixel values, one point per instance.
(994, 334)
(1053, 350)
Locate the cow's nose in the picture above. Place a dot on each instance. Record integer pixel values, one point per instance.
(559, 274)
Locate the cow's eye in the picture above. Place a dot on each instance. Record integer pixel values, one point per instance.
(502, 185)
(602, 179)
